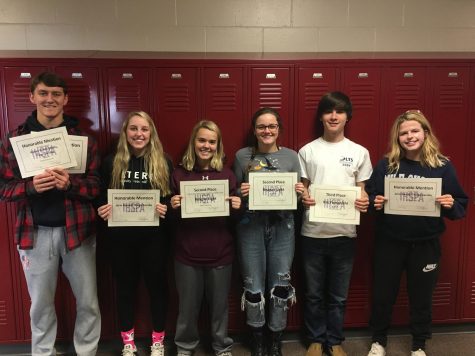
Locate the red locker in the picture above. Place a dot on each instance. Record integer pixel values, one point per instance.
(363, 86)
(17, 94)
(467, 262)
(224, 104)
(271, 87)
(406, 89)
(450, 112)
(178, 110)
(312, 84)
(128, 89)
(9, 318)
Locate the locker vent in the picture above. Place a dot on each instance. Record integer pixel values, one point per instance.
(472, 293)
(407, 96)
(176, 98)
(224, 97)
(451, 95)
(363, 95)
(358, 298)
(442, 294)
(312, 94)
(3, 313)
(21, 98)
(80, 100)
(271, 95)
(128, 98)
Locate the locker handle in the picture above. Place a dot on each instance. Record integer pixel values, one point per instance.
(176, 76)
(363, 75)
(408, 75)
(271, 76)
(127, 76)
(25, 75)
(453, 75)
(317, 75)
(76, 75)
(223, 75)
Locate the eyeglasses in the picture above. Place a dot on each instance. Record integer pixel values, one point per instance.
(271, 127)
(413, 111)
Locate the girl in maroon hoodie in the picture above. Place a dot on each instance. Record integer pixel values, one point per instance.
(204, 247)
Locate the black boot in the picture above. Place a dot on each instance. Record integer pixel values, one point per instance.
(258, 344)
(275, 348)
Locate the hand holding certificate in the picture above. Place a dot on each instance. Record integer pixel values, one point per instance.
(335, 205)
(204, 198)
(412, 196)
(133, 207)
(272, 191)
(38, 151)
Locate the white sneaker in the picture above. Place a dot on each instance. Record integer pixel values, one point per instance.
(419, 352)
(129, 350)
(157, 349)
(377, 350)
(225, 353)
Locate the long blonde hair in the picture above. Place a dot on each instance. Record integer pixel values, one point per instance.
(430, 151)
(155, 162)
(189, 158)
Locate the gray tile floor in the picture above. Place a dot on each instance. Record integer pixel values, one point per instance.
(458, 340)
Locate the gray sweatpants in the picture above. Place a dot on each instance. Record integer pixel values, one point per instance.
(192, 284)
(40, 266)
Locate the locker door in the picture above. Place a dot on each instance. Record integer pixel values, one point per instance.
(128, 89)
(467, 297)
(17, 94)
(363, 86)
(450, 120)
(224, 104)
(10, 319)
(178, 110)
(83, 103)
(406, 89)
(271, 87)
(312, 84)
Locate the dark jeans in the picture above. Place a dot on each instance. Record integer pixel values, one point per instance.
(328, 263)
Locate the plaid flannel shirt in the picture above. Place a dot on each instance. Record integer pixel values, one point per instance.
(78, 199)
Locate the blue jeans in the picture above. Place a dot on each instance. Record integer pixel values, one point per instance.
(328, 263)
(266, 245)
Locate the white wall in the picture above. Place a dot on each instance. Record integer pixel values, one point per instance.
(238, 25)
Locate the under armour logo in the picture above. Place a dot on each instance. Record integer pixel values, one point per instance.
(429, 267)
(204, 178)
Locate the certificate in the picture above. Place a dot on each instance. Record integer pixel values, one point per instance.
(335, 205)
(203, 198)
(133, 207)
(272, 191)
(412, 196)
(79, 145)
(40, 150)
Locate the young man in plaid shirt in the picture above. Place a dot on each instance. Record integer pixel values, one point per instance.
(55, 222)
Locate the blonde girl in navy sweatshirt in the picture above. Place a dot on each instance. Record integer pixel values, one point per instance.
(410, 243)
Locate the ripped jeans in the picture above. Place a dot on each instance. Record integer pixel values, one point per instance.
(266, 245)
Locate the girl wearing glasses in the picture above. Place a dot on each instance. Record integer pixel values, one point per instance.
(204, 247)
(266, 238)
(410, 243)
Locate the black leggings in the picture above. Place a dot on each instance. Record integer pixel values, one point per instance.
(132, 255)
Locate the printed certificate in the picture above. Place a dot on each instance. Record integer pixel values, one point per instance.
(335, 205)
(79, 145)
(203, 198)
(40, 150)
(412, 196)
(133, 207)
(272, 191)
